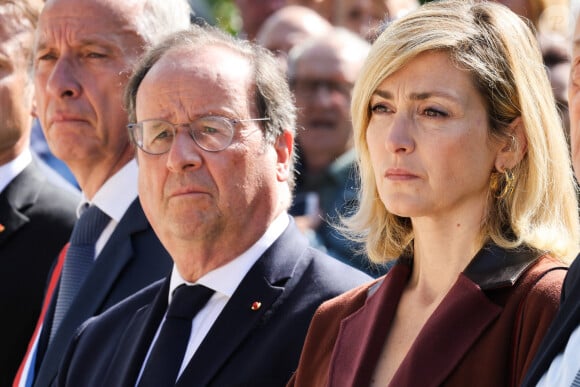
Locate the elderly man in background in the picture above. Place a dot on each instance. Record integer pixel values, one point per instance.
(84, 53)
(288, 27)
(36, 216)
(322, 71)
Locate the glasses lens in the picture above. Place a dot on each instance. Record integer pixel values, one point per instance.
(157, 136)
(212, 133)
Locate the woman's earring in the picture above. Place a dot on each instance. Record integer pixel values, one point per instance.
(502, 189)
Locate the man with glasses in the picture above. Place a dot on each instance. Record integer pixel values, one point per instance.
(322, 71)
(214, 126)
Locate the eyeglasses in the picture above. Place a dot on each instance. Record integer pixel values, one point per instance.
(211, 133)
(309, 87)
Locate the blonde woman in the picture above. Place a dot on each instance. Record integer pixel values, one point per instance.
(465, 181)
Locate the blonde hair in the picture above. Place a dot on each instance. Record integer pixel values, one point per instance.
(501, 53)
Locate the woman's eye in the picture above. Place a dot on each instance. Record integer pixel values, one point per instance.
(379, 108)
(430, 112)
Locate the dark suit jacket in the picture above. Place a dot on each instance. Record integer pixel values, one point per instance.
(243, 348)
(132, 259)
(567, 319)
(483, 333)
(36, 219)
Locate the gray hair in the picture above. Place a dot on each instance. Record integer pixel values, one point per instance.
(161, 18)
(273, 98)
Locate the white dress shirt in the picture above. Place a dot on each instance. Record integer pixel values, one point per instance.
(113, 198)
(565, 366)
(224, 281)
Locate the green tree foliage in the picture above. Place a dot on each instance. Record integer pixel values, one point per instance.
(226, 15)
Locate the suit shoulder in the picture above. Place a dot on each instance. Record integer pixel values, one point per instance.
(545, 278)
(62, 203)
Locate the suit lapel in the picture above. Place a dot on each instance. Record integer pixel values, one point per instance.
(362, 334)
(21, 193)
(136, 340)
(265, 283)
(96, 287)
(452, 329)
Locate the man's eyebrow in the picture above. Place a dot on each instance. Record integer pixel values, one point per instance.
(92, 41)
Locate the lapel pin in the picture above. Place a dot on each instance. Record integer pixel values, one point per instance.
(2, 228)
(256, 305)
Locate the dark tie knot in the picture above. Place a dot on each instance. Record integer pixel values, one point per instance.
(89, 226)
(188, 300)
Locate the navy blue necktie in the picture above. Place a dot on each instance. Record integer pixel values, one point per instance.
(79, 260)
(168, 351)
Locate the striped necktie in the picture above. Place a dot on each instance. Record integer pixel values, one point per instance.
(576, 381)
(79, 260)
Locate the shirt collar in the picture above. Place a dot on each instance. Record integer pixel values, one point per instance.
(117, 194)
(226, 279)
(493, 266)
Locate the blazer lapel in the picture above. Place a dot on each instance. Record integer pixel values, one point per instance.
(249, 307)
(137, 339)
(362, 334)
(21, 193)
(452, 329)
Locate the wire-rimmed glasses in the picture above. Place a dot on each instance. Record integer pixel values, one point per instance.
(211, 133)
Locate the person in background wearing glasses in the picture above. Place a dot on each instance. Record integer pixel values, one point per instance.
(214, 127)
(322, 71)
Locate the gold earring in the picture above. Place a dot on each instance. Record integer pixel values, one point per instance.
(507, 186)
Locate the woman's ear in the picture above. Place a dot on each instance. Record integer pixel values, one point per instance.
(514, 146)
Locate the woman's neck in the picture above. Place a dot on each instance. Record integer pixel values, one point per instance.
(440, 254)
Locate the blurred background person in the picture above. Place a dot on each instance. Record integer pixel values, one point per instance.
(321, 72)
(323, 7)
(556, 54)
(545, 15)
(253, 13)
(365, 17)
(36, 216)
(289, 26)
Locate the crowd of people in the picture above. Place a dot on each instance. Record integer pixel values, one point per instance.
(344, 193)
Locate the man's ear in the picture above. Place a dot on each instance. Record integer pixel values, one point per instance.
(284, 146)
(513, 148)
